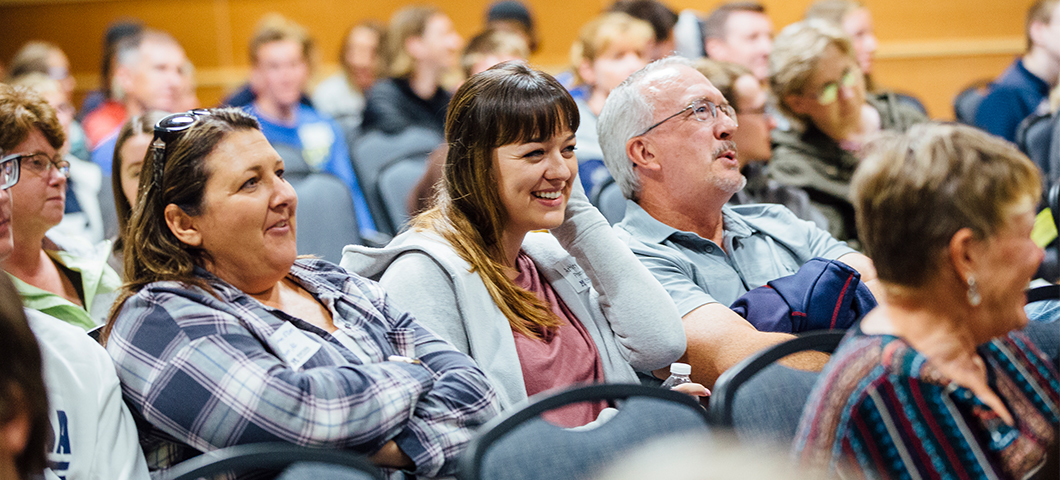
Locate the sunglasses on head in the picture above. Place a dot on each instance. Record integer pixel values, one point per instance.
(166, 130)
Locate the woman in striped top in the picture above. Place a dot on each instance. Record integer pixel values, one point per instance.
(937, 382)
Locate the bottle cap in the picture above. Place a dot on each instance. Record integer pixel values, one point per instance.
(680, 369)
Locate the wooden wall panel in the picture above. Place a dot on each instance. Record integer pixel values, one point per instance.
(930, 49)
(936, 81)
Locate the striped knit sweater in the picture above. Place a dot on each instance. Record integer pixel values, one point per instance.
(881, 410)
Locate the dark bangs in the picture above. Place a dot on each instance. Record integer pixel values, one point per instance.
(528, 107)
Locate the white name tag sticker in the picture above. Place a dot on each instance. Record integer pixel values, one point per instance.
(576, 276)
(294, 345)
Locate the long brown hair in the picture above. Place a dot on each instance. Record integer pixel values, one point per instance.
(152, 252)
(509, 103)
(138, 125)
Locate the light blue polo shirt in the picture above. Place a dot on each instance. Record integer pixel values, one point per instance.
(763, 242)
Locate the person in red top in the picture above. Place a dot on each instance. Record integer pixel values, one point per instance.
(150, 74)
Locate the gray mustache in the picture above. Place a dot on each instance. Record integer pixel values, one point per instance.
(726, 145)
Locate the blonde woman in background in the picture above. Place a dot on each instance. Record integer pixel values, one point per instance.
(608, 49)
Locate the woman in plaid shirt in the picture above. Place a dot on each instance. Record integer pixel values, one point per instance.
(222, 337)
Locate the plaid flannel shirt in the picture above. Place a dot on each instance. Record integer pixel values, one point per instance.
(201, 373)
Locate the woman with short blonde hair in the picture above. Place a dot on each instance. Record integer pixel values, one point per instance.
(945, 211)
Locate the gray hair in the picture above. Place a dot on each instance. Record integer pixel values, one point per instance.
(627, 112)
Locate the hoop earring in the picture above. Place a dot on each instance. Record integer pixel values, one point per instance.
(974, 299)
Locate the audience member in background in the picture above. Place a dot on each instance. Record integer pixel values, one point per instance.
(856, 20)
(81, 216)
(1024, 85)
(946, 213)
(49, 60)
(749, 98)
(107, 63)
(491, 47)
(280, 53)
(23, 399)
(189, 95)
(820, 88)
(515, 17)
(149, 75)
(341, 96)
(215, 293)
(93, 435)
(659, 16)
(61, 277)
(536, 310)
(740, 33)
(130, 150)
(421, 48)
(667, 136)
(608, 49)
(483, 52)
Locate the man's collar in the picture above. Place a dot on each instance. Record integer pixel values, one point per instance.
(733, 223)
(645, 227)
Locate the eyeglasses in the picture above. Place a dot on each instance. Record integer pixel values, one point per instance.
(9, 169)
(830, 91)
(166, 130)
(38, 163)
(703, 110)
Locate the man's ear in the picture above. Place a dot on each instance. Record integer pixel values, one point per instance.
(254, 80)
(585, 70)
(715, 48)
(122, 81)
(642, 153)
(1037, 32)
(183, 226)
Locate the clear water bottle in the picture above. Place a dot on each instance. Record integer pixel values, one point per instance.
(679, 373)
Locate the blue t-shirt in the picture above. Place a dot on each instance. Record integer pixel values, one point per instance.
(1012, 97)
(323, 148)
(103, 154)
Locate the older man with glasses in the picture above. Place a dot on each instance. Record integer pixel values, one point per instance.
(667, 137)
(59, 276)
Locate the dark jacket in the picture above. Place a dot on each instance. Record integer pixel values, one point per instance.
(822, 295)
(391, 106)
(814, 162)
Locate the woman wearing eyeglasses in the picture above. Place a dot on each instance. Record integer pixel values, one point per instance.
(537, 310)
(223, 337)
(58, 276)
(815, 76)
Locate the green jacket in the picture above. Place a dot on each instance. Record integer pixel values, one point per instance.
(814, 162)
(99, 286)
